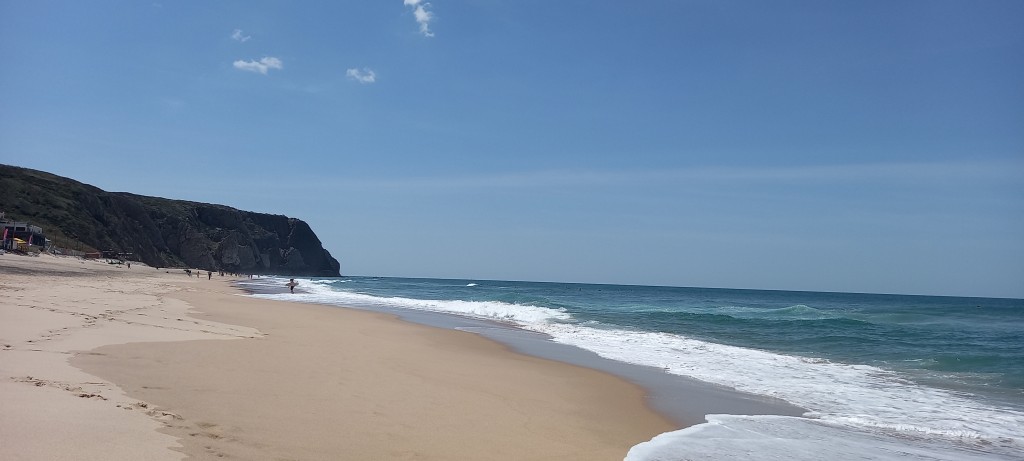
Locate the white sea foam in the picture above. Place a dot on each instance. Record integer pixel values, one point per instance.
(320, 291)
(853, 395)
(783, 438)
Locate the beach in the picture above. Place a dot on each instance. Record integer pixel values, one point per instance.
(785, 375)
(105, 362)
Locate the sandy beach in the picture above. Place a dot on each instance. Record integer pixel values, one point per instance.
(104, 362)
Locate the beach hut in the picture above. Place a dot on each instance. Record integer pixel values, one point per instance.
(17, 234)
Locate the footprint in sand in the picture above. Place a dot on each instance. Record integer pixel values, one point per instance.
(164, 415)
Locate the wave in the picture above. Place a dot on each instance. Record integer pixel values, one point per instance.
(322, 291)
(801, 311)
(790, 313)
(730, 437)
(858, 395)
(796, 313)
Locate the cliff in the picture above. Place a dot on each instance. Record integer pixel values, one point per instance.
(163, 232)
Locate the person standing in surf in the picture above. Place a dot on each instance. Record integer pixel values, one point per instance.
(292, 284)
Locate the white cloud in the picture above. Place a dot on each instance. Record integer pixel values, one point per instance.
(261, 66)
(423, 17)
(238, 37)
(366, 75)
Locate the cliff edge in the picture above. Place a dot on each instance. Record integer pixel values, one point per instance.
(163, 232)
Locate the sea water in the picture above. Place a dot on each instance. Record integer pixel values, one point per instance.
(882, 376)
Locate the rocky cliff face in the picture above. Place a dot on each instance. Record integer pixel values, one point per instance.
(163, 232)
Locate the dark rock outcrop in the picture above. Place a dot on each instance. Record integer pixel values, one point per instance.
(163, 232)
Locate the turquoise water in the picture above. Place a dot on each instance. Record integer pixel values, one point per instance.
(942, 377)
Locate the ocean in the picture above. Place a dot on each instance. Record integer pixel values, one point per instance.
(881, 376)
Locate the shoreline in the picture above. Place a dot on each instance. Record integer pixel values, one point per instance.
(311, 382)
(663, 389)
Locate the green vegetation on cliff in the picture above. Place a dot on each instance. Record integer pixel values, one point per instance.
(162, 232)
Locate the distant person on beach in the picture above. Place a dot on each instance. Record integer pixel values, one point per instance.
(209, 275)
(292, 284)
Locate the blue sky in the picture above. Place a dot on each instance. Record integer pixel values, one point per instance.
(872, 146)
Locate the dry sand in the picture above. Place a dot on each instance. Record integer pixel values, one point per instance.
(296, 382)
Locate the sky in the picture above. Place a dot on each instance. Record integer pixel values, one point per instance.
(869, 146)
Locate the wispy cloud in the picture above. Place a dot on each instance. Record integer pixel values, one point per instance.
(720, 178)
(366, 75)
(423, 17)
(239, 37)
(172, 103)
(261, 66)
